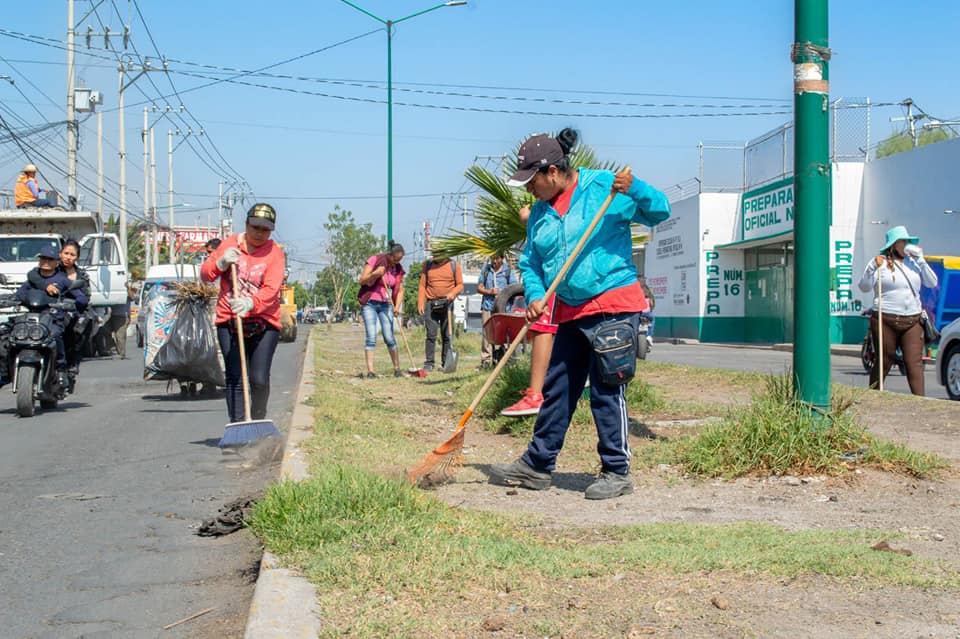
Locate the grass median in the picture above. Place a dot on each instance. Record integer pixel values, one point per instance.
(390, 560)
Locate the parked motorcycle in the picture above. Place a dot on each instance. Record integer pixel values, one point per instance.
(30, 351)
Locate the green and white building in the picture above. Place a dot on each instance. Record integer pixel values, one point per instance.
(722, 267)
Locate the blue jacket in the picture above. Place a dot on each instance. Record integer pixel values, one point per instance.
(38, 282)
(605, 262)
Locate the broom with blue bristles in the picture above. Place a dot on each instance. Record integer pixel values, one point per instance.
(249, 431)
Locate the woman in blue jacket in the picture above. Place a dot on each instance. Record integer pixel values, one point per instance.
(598, 305)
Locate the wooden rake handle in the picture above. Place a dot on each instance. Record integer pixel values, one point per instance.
(574, 254)
(243, 348)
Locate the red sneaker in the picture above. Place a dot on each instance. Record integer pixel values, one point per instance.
(529, 404)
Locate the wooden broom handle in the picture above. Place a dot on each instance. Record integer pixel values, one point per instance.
(880, 324)
(243, 348)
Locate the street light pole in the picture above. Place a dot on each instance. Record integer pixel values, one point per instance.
(389, 26)
(812, 215)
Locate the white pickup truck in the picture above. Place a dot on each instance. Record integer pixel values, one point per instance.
(23, 232)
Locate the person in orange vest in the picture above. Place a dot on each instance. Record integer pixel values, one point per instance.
(27, 191)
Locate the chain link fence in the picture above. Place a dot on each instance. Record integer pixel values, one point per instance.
(741, 166)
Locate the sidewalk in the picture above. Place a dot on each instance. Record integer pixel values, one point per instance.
(284, 602)
(847, 350)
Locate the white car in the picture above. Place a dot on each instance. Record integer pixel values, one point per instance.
(948, 359)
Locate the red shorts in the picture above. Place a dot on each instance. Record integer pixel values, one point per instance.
(545, 323)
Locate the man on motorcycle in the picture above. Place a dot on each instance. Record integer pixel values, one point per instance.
(47, 277)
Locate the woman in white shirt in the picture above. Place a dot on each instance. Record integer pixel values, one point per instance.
(900, 270)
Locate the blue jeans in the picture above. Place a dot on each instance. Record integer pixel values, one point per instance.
(382, 312)
(653, 322)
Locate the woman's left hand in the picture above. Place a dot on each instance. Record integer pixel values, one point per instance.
(622, 182)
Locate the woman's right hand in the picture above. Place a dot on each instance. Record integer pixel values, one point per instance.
(524, 214)
(878, 260)
(535, 310)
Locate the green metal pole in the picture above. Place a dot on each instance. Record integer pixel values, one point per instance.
(389, 130)
(812, 212)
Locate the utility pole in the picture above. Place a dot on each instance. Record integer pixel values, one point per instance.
(71, 113)
(148, 232)
(100, 171)
(153, 200)
(122, 69)
(812, 214)
(911, 121)
(123, 170)
(172, 243)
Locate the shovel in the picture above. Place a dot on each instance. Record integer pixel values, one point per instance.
(451, 358)
(249, 431)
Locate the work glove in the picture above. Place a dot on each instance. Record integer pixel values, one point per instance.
(230, 256)
(913, 251)
(241, 305)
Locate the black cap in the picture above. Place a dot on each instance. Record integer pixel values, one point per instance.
(49, 252)
(264, 214)
(537, 153)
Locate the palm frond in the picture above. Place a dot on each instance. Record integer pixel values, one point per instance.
(499, 229)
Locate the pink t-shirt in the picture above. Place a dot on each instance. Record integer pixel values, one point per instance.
(392, 279)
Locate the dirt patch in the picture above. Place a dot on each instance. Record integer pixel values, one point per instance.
(922, 515)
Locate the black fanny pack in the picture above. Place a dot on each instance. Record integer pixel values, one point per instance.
(615, 345)
(438, 305)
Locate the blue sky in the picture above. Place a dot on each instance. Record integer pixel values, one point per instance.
(298, 146)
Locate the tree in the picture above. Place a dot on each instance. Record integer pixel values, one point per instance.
(900, 142)
(301, 295)
(499, 229)
(411, 287)
(136, 264)
(349, 246)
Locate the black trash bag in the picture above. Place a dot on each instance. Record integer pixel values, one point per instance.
(190, 352)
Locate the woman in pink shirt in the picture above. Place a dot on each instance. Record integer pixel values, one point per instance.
(260, 264)
(380, 297)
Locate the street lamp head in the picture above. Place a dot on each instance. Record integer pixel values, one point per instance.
(455, 3)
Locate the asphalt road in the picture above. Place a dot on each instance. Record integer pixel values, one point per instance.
(100, 499)
(844, 369)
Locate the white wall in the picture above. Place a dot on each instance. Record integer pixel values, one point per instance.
(672, 261)
(723, 290)
(846, 242)
(913, 189)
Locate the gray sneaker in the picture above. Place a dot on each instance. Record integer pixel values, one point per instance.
(608, 485)
(518, 473)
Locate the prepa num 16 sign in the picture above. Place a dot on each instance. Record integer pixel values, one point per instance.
(767, 211)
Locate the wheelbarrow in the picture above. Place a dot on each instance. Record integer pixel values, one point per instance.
(500, 329)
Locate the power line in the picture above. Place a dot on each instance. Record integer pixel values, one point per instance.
(331, 197)
(461, 94)
(485, 109)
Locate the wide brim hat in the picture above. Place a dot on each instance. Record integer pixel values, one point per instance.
(896, 234)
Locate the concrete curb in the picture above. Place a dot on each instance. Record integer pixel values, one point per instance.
(284, 602)
(846, 350)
